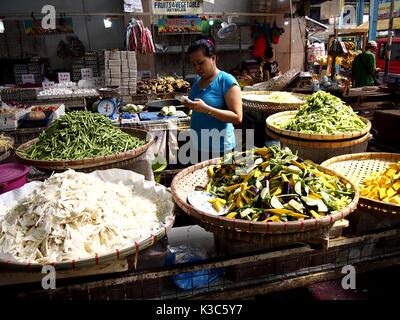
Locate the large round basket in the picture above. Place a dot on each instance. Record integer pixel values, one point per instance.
(356, 167)
(118, 254)
(120, 160)
(268, 107)
(273, 123)
(270, 233)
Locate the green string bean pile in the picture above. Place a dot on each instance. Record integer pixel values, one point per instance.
(80, 135)
(325, 114)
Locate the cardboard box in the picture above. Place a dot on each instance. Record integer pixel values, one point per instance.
(386, 123)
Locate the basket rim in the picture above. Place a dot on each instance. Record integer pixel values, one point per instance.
(88, 162)
(319, 144)
(313, 136)
(375, 204)
(262, 227)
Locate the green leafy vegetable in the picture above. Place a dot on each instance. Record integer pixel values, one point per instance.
(325, 114)
(81, 135)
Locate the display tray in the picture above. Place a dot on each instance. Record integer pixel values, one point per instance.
(152, 116)
(282, 117)
(356, 167)
(270, 232)
(270, 106)
(90, 164)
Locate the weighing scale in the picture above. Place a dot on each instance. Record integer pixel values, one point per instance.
(108, 103)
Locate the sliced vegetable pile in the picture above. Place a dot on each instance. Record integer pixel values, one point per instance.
(80, 135)
(5, 142)
(383, 186)
(324, 113)
(278, 186)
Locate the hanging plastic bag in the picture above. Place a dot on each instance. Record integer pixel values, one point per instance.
(195, 279)
(260, 44)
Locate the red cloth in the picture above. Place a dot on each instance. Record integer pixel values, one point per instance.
(260, 45)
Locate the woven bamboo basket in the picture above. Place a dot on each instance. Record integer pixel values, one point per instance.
(267, 107)
(118, 254)
(274, 120)
(319, 151)
(356, 167)
(120, 160)
(270, 233)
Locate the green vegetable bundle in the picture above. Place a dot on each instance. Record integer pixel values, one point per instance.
(81, 135)
(324, 113)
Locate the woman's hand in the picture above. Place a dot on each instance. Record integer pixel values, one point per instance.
(198, 105)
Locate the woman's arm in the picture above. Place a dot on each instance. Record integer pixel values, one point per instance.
(233, 99)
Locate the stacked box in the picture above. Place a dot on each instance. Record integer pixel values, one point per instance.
(91, 59)
(121, 70)
(77, 65)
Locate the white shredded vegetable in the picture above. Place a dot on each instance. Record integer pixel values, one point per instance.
(73, 216)
(277, 97)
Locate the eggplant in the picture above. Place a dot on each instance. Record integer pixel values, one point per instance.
(286, 187)
(309, 175)
(275, 203)
(253, 190)
(258, 161)
(283, 217)
(246, 212)
(297, 188)
(296, 205)
(321, 206)
(263, 216)
(294, 169)
(264, 205)
(264, 193)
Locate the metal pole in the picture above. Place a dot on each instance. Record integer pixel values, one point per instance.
(360, 11)
(291, 33)
(389, 39)
(373, 20)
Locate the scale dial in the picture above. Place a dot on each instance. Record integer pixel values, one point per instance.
(106, 107)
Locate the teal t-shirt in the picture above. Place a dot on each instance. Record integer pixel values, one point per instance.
(202, 124)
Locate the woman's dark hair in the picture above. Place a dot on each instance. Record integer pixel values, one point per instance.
(207, 44)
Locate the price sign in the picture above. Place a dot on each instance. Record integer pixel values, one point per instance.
(48, 85)
(98, 81)
(64, 77)
(87, 73)
(28, 78)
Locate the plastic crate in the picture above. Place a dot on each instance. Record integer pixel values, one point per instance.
(8, 122)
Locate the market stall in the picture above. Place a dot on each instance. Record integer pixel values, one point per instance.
(101, 195)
